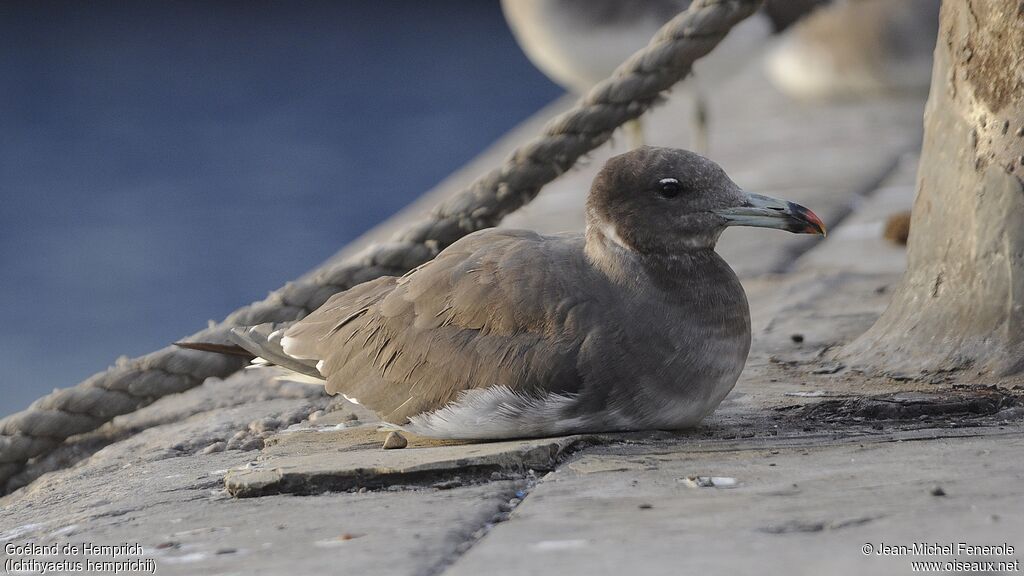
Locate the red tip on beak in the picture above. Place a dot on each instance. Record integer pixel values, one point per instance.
(814, 224)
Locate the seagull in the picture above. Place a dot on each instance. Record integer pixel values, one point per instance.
(578, 43)
(635, 324)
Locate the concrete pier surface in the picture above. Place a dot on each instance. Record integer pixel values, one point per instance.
(808, 467)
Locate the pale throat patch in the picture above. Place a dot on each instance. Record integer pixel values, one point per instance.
(702, 240)
(611, 233)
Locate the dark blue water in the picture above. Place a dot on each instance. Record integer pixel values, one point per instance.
(164, 163)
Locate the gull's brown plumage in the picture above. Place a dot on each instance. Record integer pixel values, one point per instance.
(637, 324)
(482, 313)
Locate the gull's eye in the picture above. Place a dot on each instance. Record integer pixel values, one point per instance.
(669, 187)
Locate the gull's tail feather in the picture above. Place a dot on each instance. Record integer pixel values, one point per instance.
(227, 349)
(264, 341)
(262, 345)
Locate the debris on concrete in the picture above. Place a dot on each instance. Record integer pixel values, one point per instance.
(808, 394)
(963, 402)
(709, 482)
(897, 228)
(829, 368)
(813, 526)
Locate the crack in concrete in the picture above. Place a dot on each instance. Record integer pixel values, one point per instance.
(473, 537)
(530, 482)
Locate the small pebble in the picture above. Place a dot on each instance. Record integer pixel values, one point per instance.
(254, 444)
(265, 425)
(938, 491)
(215, 447)
(395, 441)
(316, 415)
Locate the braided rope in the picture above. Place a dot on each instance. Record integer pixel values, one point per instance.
(132, 384)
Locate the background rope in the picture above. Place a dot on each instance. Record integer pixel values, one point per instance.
(131, 384)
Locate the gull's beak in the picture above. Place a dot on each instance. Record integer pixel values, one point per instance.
(768, 212)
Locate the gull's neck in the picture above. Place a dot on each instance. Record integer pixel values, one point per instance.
(612, 255)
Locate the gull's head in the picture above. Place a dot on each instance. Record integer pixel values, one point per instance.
(664, 200)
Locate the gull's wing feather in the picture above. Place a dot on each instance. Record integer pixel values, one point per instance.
(494, 309)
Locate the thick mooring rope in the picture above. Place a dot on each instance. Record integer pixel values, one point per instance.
(132, 384)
